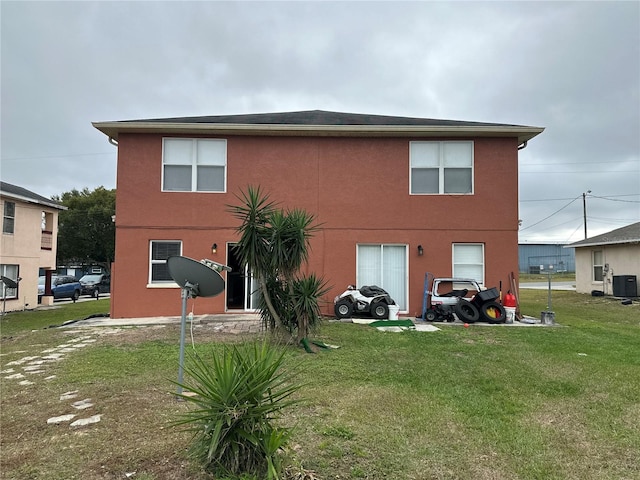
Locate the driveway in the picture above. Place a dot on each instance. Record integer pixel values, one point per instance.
(557, 285)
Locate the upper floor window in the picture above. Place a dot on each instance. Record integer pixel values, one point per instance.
(160, 250)
(194, 165)
(441, 167)
(9, 218)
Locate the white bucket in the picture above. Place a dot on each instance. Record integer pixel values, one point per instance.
(393, 312)
(511, 314)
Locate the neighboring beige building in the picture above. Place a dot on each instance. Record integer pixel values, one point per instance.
(609, 262)
(28, 243)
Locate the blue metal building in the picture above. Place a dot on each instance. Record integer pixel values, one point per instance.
(531, 256)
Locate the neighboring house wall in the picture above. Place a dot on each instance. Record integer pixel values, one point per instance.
(358, 188)
(30, 246)
(597, 265)
(532, 255)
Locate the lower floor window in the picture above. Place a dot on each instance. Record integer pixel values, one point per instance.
(598, 266)
(468, 261)
(385, 266)
(11, 272)
(159, 251)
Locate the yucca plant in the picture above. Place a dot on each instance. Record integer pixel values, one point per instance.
(237, 394)
(306, 292)
(274, 243)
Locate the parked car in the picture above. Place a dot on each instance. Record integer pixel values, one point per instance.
(96, 283)
(62, 286)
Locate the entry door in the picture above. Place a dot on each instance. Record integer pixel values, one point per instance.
(386, 267)
(242, 291)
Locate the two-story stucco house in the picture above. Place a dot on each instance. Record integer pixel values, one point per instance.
(396, 197)
(28, 243)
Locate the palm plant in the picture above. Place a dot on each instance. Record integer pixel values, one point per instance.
(306, 291)
(238, 394)
(254, 246)
(274, 244)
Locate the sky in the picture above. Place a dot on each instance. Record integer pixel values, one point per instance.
(570, 67)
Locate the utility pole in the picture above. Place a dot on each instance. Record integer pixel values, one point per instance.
(584, 211)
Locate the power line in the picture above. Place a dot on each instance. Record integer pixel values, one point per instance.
(546, 172)
(554, 213)
(608, 197)
(10, 159)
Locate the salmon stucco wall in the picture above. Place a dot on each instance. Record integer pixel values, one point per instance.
(358, 188)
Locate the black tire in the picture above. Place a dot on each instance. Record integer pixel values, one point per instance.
(466, 312)
(493, 312)
(76, 295)
(430, 315)
(343, 309)
(379, 310)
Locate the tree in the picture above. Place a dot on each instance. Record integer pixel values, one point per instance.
(86, 231)
(274, 243)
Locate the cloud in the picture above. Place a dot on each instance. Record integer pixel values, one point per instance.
(571, 67)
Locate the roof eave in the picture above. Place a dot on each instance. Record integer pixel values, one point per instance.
(24, 199)
(629, 241)
(523, 134)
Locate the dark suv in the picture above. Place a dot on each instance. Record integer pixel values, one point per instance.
(95, 283)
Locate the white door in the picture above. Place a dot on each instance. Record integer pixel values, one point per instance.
(387, 267)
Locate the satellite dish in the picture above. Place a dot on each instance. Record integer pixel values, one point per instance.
(197, 279)
(9, 283)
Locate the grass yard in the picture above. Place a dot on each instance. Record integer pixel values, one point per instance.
(479, 403)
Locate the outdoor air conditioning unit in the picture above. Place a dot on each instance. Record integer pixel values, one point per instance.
(625, 286)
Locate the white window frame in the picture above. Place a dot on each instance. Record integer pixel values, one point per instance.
(595, 265)
(194, 162)
(8, 216)
(418, 161)
(12, 293)
(403, 302)
(457, 264)
(160, 283)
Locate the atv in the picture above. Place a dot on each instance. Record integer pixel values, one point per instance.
(367, 300)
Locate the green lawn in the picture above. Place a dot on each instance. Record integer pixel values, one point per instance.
(479, 403)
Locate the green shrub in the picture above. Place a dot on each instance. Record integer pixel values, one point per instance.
(238, 393)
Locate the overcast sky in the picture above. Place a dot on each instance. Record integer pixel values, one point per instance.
(571, 67)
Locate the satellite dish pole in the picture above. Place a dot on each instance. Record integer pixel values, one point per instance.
(197, 279)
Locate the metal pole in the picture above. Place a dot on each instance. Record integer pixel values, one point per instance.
(183, 322)
(549, 299)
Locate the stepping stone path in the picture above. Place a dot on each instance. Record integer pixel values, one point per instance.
(34, 365)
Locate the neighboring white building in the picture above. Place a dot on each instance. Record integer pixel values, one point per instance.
(609, 262)
(28, 243)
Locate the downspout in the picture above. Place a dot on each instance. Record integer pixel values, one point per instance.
(522, 146)
(115, 142)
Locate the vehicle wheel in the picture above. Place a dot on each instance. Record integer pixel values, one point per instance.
(430, 315)
(466, 312)
(493, 312)
(343, 309)
(380, 310)
(76, 296)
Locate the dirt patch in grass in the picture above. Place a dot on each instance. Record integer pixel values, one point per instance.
(133, 437)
